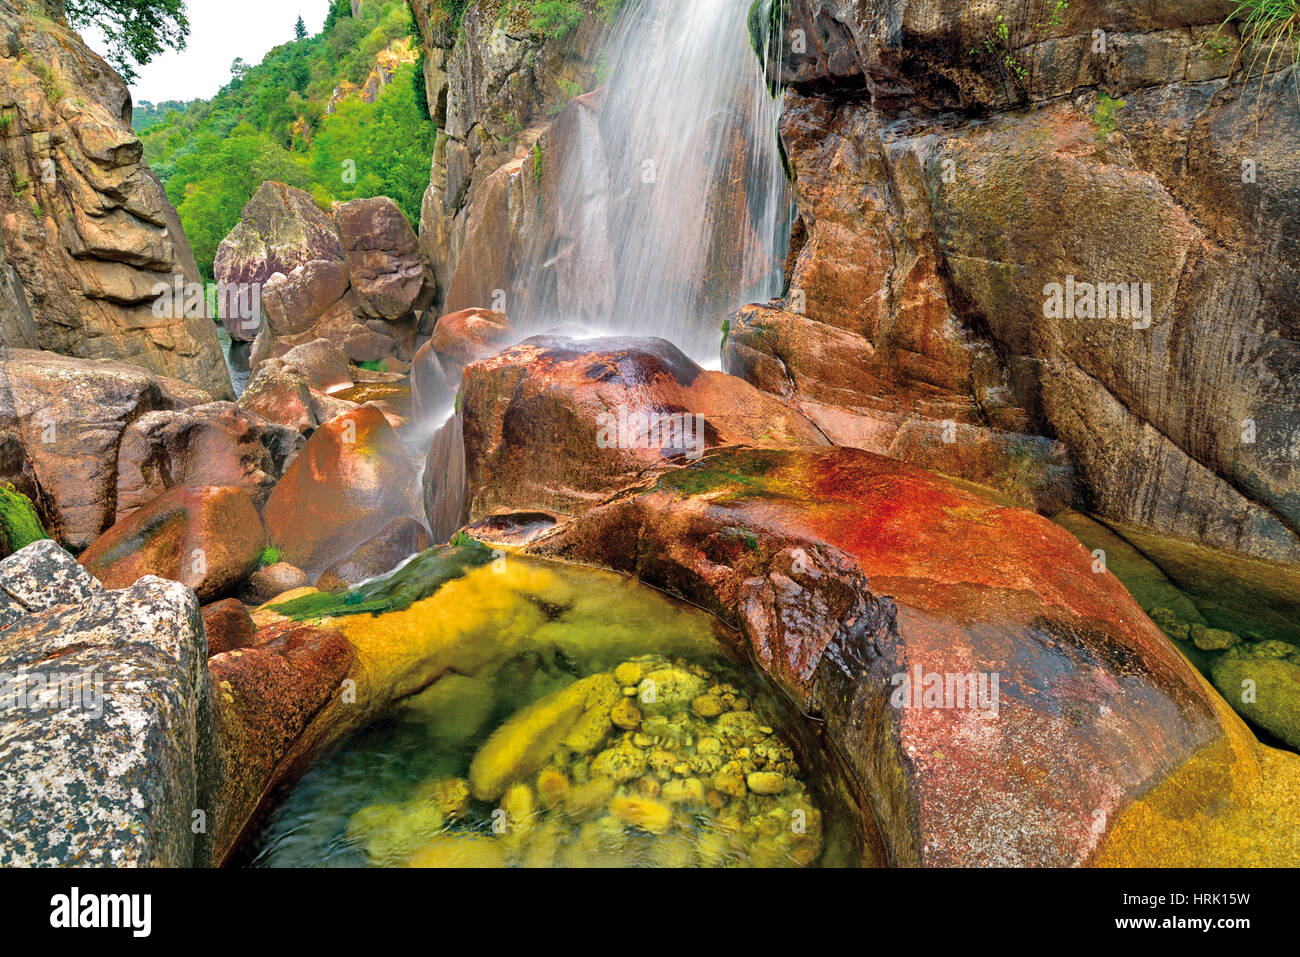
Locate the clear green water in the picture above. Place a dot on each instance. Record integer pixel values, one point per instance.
(674, 786)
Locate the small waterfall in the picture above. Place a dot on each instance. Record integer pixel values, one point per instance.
(671, 206)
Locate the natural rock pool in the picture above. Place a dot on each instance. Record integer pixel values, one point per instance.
(610, 726)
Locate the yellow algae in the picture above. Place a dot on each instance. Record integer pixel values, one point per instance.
(642, 813)
(460, 850)
(392, 832)
(521, 746)
(448, 795)
(453, 708)
(264, 615)
(466, 625)
(1232, 804)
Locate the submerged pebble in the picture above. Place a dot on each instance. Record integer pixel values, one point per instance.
(683, 773)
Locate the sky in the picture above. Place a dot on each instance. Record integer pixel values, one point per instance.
(220, 31)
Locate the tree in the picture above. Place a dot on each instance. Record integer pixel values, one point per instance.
(300, 30)
(137, 30)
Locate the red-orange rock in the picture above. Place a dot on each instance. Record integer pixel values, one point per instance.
(849, 574)
(216, 444)
(265, 699)
(557, 424)
(352, 478)
(229, 626)
(467, 336)
(206, 537)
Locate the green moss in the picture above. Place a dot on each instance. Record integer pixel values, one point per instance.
(270, 556)
(396, 591)
(733, 476)
(20, 525)
(1105, 115)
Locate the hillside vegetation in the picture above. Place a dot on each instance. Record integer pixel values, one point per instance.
(282, 120)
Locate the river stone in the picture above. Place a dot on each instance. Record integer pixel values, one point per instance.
(272, 582)
(83, 788)
(207, 537)
(467, 336)
(548, 423)
(351, 480)
(69, 416)
(266, 696)
(228, 625)
(215, 444)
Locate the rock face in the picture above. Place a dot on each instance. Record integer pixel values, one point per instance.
(107, 775)
(557, 424)
(351, 479)
(217, 444)
(383, 255)
(86, 231)
(354, 278)
(1061, 715)
(465, 337)
(206, 537)
(953, 214)
(64, 421)
(493, 88)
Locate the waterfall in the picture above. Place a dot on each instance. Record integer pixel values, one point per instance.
(670, 206)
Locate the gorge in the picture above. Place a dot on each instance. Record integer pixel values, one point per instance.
(599, 514)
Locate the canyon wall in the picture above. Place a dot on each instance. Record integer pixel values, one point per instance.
(86, 231)
(949, 177)
(502, 96)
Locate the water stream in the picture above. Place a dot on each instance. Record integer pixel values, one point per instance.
(673, 205)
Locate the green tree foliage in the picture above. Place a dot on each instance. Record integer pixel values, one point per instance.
(300, 30)
(137, 30)
(270, 123)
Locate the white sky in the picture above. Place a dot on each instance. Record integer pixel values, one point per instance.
(220, 31)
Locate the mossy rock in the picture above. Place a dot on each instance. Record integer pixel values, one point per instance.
(20, 525)
(396, 591)
(1263, 689)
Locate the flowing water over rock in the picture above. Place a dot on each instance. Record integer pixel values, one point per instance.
(676, 200)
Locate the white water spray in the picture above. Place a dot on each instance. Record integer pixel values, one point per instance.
(679, 214)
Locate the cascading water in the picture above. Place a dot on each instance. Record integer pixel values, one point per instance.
(671, 207)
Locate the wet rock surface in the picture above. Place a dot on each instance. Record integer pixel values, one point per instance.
(850, 574)
(617, 406)
(464, 337)
(206, 537)
(351, 480)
